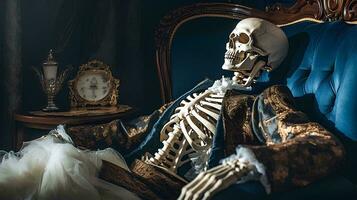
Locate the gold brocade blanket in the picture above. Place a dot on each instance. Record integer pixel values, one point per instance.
(294, 150)
(117, 134)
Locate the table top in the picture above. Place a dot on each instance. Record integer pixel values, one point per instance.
(40, 119)
(84, 112)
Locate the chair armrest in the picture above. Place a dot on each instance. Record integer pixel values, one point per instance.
(117, 134)
(98, 136)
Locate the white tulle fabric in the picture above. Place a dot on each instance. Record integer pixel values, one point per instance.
(52, 168)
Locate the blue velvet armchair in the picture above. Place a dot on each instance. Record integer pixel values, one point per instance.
(320, 70)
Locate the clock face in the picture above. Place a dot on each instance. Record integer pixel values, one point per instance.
(93, 86)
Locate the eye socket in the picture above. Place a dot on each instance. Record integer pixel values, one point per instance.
(243, 38)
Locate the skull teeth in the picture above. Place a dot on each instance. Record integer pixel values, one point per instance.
(236, 57)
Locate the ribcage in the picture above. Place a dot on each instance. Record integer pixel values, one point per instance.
(190, 130)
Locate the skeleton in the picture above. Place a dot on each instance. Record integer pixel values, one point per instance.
(254, 45)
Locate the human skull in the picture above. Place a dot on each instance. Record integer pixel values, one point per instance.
(254, 45)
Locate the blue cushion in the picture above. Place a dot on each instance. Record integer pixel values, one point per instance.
(251, 190)
(321, 72)
(332, 187)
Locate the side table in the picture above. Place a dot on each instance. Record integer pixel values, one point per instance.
(46, 121)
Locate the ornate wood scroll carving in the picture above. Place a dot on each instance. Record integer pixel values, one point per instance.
(324, 10)
(350, 10)
(316, 10)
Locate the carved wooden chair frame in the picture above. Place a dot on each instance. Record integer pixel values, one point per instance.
(318, 11)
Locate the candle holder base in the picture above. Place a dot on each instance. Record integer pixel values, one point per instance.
(50, 109)
(51, 92)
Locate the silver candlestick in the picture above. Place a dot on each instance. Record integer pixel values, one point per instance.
(51, 84)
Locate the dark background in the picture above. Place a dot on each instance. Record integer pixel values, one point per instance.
(118, 32)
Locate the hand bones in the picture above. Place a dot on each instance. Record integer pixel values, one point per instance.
(239, 167)
(208, 183)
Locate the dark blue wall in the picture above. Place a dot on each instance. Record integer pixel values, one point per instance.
(121, 33)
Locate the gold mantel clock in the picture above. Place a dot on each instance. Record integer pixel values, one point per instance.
(94, 86)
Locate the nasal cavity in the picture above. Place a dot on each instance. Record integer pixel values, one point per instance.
(232, 38)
